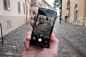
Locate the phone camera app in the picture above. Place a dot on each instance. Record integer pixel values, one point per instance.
(42, 30)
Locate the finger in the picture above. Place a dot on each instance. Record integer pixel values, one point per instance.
(28, 36)
(52, 38)
(26, 44)
(26, 41)
(32, 23)
(54, 43)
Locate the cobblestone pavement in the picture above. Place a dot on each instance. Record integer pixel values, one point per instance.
(13, 42)
(14, 47)
(42, 29)
(75, 34)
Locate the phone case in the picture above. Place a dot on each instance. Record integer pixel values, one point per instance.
(43, 28)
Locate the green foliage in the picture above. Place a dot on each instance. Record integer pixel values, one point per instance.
(58, 4)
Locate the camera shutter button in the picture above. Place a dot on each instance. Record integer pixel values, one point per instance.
(39, 39)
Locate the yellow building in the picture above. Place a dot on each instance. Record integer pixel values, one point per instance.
(75, 10)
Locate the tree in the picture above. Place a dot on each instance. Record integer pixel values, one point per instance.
(58, 4)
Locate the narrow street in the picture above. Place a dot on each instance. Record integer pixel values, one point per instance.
(74, 35)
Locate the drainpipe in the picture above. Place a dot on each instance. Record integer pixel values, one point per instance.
(1, 34)
(84, 14)
(26, 10)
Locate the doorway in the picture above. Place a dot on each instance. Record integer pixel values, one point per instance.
(75, 13)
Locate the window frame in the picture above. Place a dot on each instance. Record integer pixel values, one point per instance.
(27, 10)
(6, 5)
(10, 26)
(24, 7)
(19, 11)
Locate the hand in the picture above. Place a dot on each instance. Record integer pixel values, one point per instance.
(31, 51)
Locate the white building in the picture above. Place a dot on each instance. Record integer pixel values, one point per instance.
(13, 14)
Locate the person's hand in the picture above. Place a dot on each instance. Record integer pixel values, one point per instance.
(31, 51)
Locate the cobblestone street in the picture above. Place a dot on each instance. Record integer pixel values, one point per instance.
(74, 34)
(42, 29)
(14, 47)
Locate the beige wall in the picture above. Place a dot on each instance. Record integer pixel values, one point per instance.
(81, 10)
(15, 22)
(17, 19)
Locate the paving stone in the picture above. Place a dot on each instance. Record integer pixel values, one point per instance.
(63, 50)
(9, 53)
(73, 56)
(9, 50)
(3, 53)
(16, 54)
(65, 55)
(22, 53)
(3, 56)
(10, 56)
(5, 50)
(13, 46)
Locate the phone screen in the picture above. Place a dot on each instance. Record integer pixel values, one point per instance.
(43, 26)
(42, 31)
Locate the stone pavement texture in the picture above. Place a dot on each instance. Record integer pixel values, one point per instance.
(14, 47)
(75, 34)
(13, 42)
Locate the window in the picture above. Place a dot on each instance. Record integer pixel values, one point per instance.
(6, 4)
(33, 12)
(18, 6)
(33, 2)
(24, 7)
(8, 24)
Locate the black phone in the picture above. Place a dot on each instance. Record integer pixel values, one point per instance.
(43, 28)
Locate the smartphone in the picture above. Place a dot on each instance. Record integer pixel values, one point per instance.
(43, 28)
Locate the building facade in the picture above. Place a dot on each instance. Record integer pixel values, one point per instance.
(15, 13)
(75, 10)
(36, 4)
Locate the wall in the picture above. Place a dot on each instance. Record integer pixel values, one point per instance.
(17, 19)
(80, 6)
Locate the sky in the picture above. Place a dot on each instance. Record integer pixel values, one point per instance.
(51, 3)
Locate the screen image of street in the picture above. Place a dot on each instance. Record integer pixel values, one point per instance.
(43, 26)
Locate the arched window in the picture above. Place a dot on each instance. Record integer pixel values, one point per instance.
(75, 12)
(68, 9)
